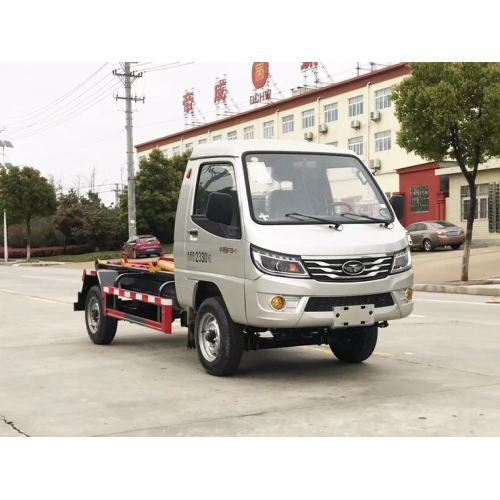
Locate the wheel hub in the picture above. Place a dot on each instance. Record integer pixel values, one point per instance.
(209, 337)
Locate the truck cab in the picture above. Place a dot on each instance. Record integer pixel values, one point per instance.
(286, 243)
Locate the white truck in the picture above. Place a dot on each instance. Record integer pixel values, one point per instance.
(276, 244)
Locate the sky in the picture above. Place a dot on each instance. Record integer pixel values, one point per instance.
(63, 120)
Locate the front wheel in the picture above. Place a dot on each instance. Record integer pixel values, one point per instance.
(354, 345)
(101, 329)
(219, 341)
(428, 246)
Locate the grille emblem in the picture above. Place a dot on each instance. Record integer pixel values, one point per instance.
(353, 267)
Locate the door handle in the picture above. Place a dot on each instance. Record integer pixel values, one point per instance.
(193, 232)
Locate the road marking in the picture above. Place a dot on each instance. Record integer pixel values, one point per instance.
(34, 297)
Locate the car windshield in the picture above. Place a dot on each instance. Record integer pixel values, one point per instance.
(147, 239)
(289, 188)
(441, 224)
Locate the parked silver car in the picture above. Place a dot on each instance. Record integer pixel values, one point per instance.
(429, 235)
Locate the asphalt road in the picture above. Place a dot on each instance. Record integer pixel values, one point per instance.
(435, 373)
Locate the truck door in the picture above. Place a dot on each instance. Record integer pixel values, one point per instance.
(214, 251)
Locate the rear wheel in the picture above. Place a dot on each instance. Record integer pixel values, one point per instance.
(101, 329)
(456, 247)
(428, 246)
(219, 341)
(354, 345)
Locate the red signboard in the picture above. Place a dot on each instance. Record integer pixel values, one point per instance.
(220, 91)
(260, 74)
(308, 65)
(188, 102)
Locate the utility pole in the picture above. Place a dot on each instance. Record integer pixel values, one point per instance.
(128, 77)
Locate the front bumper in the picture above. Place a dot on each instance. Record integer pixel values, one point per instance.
(259, 292)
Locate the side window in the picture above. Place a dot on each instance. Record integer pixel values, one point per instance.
(216, 178)
(413, 227)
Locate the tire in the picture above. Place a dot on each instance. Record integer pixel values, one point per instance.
(101, 329)
(427, 245)
(456, 247)
(355, 344)
(219, 342)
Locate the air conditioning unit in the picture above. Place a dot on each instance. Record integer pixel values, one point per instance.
(355, 124)
(375, 164)
(375, 116)
(308, 136)
(323, 128)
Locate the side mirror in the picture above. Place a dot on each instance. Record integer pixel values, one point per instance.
(220, 208)
(397, 204)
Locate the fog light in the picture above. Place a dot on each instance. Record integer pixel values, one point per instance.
(409, 294)
(278, 303)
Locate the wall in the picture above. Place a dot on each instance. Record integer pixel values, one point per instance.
(423, 174)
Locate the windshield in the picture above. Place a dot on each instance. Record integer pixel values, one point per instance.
(319, 185)
(441, 224)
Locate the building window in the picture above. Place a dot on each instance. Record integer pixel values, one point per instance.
(383, 141)
(188, 147)
(248, 133)
(268, 130)
(176, 151)
(383, 98)
(232, 136)
(356, 105)
(308, 118)
(287, 124)
(216, 138)
(202, 141)
(356, 145)
(419, 198)
(165, 152)
(481, 211)
(331, 113)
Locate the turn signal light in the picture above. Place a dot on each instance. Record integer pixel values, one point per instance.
(409, 294)
(278, 303)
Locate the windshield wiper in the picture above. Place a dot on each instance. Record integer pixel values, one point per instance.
(386, 223)
(293, 215)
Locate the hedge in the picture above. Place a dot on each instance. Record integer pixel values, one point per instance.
(20, 253)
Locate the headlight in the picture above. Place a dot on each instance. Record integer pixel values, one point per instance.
(402, 261)
(277, 263)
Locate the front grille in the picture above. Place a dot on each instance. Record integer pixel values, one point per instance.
(333, 270)
(317, 304)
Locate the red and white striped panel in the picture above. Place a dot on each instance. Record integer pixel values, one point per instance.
(87, 272)
(143, 297)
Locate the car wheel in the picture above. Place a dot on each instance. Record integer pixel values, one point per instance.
(428, 246)
(457, 246)
(219, 341)
(354, 345)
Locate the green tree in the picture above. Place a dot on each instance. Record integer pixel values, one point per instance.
(452, 110)
(158, 183)
(70, 216)
(26, 194)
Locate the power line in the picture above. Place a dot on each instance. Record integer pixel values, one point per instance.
(74, 89)
(72, 115)
(69, 106)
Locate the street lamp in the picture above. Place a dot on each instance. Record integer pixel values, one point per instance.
(5, 144)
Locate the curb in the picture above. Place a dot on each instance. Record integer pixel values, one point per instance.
(466, 290)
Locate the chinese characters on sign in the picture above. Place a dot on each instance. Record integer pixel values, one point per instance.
(188, 102)
(308, 65)
(260, 80)
(220, 91)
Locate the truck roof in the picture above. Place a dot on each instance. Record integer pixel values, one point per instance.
(237, 148)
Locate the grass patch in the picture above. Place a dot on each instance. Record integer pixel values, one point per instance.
(87, 257)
